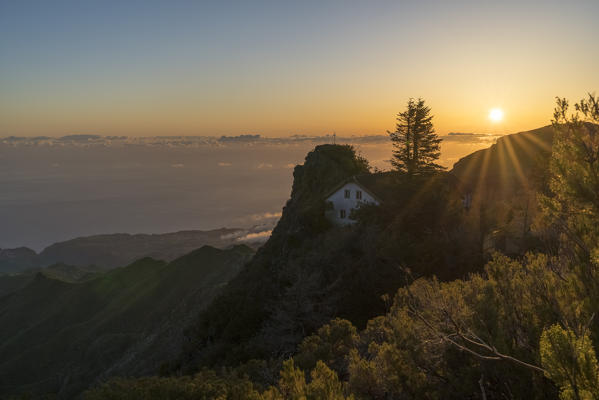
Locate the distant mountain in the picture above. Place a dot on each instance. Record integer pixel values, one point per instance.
(60, 337)
(116, 250)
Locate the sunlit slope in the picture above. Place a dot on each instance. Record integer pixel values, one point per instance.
(516, 161)
(57, 336)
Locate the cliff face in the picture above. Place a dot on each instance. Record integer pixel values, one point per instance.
(240, 324)
(322, 170)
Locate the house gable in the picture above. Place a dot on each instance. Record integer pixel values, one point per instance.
(347, 197)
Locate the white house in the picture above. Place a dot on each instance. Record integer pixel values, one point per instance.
(347, 197)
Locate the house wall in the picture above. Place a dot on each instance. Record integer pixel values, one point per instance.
(341, 203)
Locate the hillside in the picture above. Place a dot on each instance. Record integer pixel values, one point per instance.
(67, 273)
(516, 161)
(116, 250)
(504, 181)
(127, 321)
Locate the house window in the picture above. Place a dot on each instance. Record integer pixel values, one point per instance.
(347, 193)
(359, 194)
(341, 213)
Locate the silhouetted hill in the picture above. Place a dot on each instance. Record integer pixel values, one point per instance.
(503, 181)
(59, 337)
(516, 161)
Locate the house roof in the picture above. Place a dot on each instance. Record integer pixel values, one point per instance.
(360, 180)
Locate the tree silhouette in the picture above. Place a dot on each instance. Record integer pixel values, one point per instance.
(416, 146)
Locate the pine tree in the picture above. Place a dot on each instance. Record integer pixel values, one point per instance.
(416, 145)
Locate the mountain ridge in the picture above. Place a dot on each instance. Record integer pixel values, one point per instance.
(106, 251)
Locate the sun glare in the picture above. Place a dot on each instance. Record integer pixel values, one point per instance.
(496, 114)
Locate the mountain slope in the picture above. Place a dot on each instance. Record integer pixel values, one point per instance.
(115, 250)
(504, 181)
(119, 249)
(59, 337)
(515, 161)
(60, 271)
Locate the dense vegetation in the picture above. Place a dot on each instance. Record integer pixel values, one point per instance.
(59, 335)
(523, 327)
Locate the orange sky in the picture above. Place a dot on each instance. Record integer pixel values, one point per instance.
(276, 70)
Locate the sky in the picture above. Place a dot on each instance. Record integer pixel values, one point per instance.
(277, 68)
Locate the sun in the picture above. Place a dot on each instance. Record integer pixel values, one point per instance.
(496, 114)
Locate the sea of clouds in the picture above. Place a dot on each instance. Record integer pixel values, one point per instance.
(58, 188)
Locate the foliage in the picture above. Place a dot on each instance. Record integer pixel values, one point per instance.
(442, 340)
(571, 363)
(422, 225)
(573, 207)
(331, 344)
(227, 385)
(571, 210)
(416, 146)
(204, 385)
